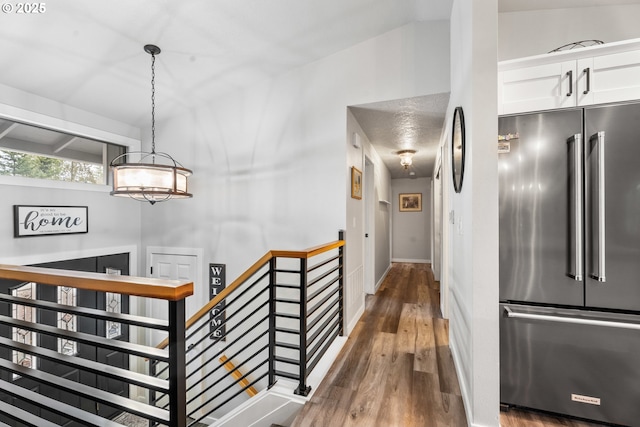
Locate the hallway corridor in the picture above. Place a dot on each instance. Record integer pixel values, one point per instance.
(396, 368)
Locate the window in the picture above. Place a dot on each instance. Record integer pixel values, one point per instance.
(69, 322)
(34, 152)
(24, 336)
(113, 305)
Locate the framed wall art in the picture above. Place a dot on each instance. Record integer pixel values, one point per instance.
(410, 202)
(356, 183)
(31, 220)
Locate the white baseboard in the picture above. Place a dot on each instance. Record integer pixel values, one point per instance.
(384, 276)
(413, 261)
(355, 319)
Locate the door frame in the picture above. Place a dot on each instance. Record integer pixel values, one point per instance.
(369, 244)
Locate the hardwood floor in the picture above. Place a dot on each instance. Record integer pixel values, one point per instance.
(396, 368)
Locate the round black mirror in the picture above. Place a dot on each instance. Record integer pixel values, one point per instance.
(457, 149)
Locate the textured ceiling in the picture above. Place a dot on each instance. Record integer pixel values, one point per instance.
(412, 123)
(89, 54)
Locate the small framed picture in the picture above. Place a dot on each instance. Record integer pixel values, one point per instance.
(410, 202)
(356, 183)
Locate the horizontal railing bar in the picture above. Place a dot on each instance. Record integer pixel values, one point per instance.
(323, 276)
(233, 356)
(196, 421)
(287, 316)
(313, 364)
(113, 372)
(321, 341)
(128, 319)
(287, 301)
(195, 356)
(55, 406)
(287, 345)
(286, 270)
(172, 290)
(287, 360)
(217, 368)
(320, 264)
(94, 394)
(284, 286)
(224, 322)
(286, 375)
(221, 391)
(287, 330)
(116, 345)
(322, 302)
(317, 292)
(328, 306)
(322, 327)
(23, 416)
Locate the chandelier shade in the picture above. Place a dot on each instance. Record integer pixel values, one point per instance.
(155, 177)
(150, 182)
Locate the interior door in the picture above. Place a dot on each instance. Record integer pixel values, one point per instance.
(613, 207)
(172, 267)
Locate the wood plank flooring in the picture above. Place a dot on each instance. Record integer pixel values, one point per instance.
(396, 368)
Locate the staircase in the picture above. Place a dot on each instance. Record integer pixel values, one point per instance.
(281, 317)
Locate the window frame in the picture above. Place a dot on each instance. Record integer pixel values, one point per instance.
(19, 115)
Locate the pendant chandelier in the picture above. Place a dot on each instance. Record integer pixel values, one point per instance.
(156, 176)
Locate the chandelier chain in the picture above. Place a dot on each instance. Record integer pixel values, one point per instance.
(153, 103)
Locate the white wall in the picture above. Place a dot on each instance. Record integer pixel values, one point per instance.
(536, 32)
(113, 222)
(411, 230)
(471, 272)
(269, 161)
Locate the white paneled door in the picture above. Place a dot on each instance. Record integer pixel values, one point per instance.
(172, 267)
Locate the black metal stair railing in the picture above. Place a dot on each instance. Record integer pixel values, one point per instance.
(75, 388)
(281, 316)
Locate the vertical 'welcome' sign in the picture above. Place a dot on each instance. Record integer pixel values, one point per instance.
(217, 282)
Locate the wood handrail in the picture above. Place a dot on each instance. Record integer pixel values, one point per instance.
(308, 253)
(236, 374)
(170, 290)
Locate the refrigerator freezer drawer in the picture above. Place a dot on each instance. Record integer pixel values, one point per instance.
(578, 363)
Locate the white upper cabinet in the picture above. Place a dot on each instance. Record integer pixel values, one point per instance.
(541, 87)
(587, 76)
(609, 78)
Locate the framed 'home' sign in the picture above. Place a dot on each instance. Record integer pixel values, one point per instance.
(29, 221)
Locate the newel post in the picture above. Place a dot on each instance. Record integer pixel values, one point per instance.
(342, 262)
(303, 389)
(177, 364)
(272, 321)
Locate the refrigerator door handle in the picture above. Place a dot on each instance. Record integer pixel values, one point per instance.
(598, 141)
(576, 140)
(574, 320)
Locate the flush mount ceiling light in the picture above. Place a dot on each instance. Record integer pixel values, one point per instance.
(406, 157)
(156, 177)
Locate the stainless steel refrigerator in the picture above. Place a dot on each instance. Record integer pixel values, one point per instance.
(570, 262)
